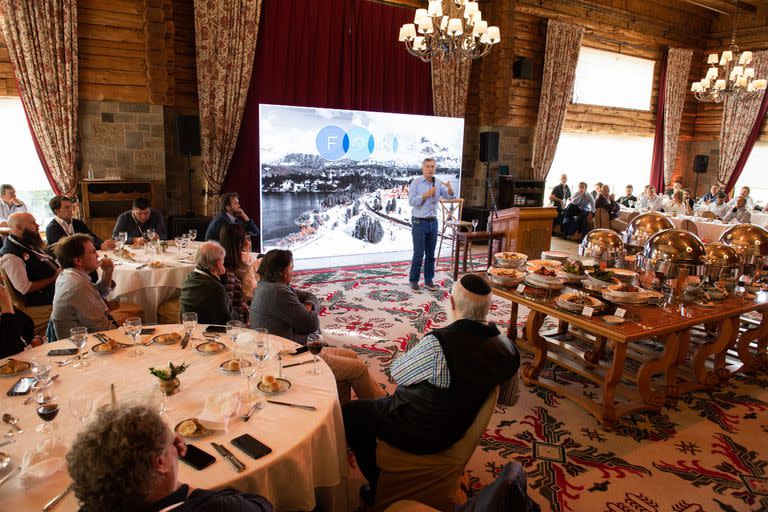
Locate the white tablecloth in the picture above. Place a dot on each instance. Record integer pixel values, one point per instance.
(759, 218)
(149, 287)
(308, 447)
(710, 231)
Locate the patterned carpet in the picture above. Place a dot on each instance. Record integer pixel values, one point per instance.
(709, 453)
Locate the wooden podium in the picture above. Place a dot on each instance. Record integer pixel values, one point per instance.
(527, 230)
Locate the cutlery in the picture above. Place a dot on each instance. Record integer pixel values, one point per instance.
(257, 406)
(10, 475)
(305, 407)
(5, 443)
(72, 359)
(56, 499)
(141, 266)
(236, 464)
(185, 340)
(9, 419)
(297, 364)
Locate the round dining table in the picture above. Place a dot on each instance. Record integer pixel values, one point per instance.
(148, 280)
(307, 465)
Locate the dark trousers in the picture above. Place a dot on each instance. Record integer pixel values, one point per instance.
(575, 219)
(424, 235)
(364, 421)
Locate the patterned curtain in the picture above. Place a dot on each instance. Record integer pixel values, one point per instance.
(42, 42)
(225, 35)
(560, 59)
(450, 80)
(738, 120)
(678, 68)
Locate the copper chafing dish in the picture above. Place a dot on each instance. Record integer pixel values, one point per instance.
(668, 252)
(643, 227)
(602, 244)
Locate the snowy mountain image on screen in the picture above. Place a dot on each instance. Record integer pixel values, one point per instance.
(353, 202)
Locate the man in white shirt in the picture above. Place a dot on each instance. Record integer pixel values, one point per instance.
(739, 213)
(744, 193)
(719, 207)
(650, 200)
(9, 204)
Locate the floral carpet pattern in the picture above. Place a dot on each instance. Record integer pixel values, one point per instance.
(709, 452)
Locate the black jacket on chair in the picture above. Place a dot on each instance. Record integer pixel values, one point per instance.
(37, 268)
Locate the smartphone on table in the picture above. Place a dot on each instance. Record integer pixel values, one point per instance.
(62, 352)
(22, 386)
(216, 328)
(197, 458)
(251, 446)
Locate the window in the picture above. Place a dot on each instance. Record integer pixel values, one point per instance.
(613, 80)
(21, 166)
(612, 160)
(754, 176)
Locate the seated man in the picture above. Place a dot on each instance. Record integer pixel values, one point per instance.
(203, 291)
(676, 185)
(442, 383)
(739, 213)
(605, 201)
(230, 213)
(138, 220)
(628, 199)
(710, 196)
(9, 204)
(128, 459)
(31, 271)
(63, 224)
(596, 192)
(578, 213)
(77, 301)
(650, 200)
(743, 193)
(719, 207)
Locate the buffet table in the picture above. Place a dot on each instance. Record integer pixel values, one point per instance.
(308, 447)
(150, 280)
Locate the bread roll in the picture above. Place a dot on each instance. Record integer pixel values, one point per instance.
(187, 427)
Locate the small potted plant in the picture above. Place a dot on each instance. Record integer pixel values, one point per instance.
(169, 381)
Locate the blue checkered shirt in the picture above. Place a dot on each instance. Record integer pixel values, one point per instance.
(425, 361)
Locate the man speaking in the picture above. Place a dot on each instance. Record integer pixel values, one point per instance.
(423, 195)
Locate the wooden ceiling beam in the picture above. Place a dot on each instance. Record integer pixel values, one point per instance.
(726, 7)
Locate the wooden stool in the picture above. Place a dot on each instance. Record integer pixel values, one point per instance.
(467, 238)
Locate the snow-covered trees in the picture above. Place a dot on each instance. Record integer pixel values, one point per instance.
(368, 230)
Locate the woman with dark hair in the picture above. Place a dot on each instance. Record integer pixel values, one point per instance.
(16, 328)
(232, 237)
(284, 311)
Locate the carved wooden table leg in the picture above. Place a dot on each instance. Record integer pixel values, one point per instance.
(456, 249)
(663, 363)
(598, 350)
(670, 378)
(467, 245)
(612, 379)
(538, 343)
(729, 329)
(750, 363)
(512, 329)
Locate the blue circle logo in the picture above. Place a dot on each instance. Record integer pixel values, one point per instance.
(330, 142)
(358, 143)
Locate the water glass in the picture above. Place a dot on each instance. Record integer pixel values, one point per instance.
(184, 240)
(189, 320)
(192, 235)
(79, 337)
(119, 243)
(233, 329)
(123, 235)
(132, 327)
(315, 345)
(261, 346)
(80, 406)
(151, 234)
(179, 241)
(248, 371)
(474, 225)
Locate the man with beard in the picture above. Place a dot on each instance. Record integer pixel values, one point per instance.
(31, 271)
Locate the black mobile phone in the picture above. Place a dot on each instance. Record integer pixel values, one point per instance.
(147, 330)
(22, 386)
(216, 328)
(301, 350)
(62, 352)
(251, 446)
(197, 458)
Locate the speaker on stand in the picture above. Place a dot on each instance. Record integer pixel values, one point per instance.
(489, 152)
(700, 164)
(188, 143)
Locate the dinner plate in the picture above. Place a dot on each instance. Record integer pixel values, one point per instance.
(539, 284)
(641, 299)
(538, 278)
(545, 263)
(512, 279)
(98, 348)
(201, 431)
(600, 282)
(22, 367)
(284, 385)
(510, 259)
(564, 303)
(623, 274)
(243, 362)
(219, 347)
(166, 339)
(613, 319)
(555, 255)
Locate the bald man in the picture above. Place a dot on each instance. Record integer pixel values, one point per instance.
(31, 271)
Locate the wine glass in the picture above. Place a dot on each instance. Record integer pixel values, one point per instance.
(150, 234)
(132, 327)
(179, 241)
(189, 320)
(184, 240)
(233, 329)
(261, 346)
(79, 337)
(47, 412)
(123, 235)
(474, 225)
(192, 235)
(41, 371)
(248, 371)
(315, 345)
(119, 242)
(80, 406)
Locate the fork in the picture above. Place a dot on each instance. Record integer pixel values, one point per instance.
(257, 406)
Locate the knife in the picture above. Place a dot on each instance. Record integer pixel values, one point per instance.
(297, 364)
(10, 475)
(306, 407)
(56, 499)
(185, 341)
(236, 464)
(4, 443)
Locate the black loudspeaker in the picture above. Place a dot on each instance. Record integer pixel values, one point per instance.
(489, 147)
(188, 135)
(522, 68)
(700, 164)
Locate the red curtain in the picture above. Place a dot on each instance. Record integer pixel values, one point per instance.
(326, 53)
(657, 163)
(753, 136)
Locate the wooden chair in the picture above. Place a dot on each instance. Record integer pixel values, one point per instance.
(602, 219)
(40, 315)
(429, 479)
(169, 312)
(689, 225)
(450, 212)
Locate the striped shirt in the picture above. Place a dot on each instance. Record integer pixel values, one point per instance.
(425, 361)
(7, 210)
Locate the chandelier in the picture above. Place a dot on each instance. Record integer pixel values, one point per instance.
(433, 35)
(729, 75)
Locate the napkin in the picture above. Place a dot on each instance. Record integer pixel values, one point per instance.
(218, 409)
(41, 462)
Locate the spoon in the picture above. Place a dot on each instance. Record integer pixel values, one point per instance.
(257, 406)
(7, 418)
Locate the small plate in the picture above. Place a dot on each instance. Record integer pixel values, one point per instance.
(704, 304)
(613, 319)
(285, 385)
(538, 284)
(243, 362)
(545, 263)
(200, 432)
(219, 347)
(98, 349)
(167, 339)
(22, 366)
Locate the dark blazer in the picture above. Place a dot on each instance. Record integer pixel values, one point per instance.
(279, 308)
(54, 232)
(222, 219)
(126, 222)
(14, 326)
(37, 268)
(204, 294)
(624, 200)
